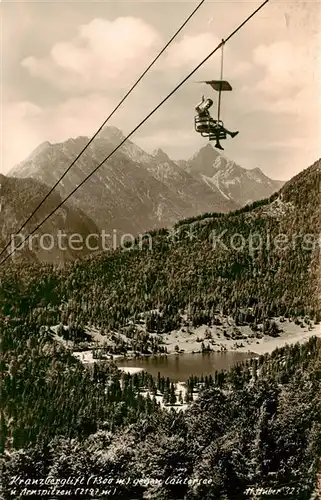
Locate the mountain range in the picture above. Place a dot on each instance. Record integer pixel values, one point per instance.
(134, 192)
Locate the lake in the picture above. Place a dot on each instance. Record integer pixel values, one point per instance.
(181, 367)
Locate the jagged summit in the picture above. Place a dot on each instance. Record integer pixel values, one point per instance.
(160, 155)
(111, 133)
(257, 169)
(234, 182)
(206, 153)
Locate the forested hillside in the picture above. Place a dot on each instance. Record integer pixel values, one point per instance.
(264, 256)
(257, 427)
(18, 200)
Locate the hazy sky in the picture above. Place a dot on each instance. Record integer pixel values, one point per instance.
(65, 65)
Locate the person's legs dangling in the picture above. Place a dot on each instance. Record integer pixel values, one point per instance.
(218, 145)
(232, 134)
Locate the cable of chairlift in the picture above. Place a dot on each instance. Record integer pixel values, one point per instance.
(138, 126)
(106, 120)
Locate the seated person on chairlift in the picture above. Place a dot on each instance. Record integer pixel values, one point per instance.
(207, 124)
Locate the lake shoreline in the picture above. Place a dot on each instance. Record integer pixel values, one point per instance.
(189, 341)
(290, 333)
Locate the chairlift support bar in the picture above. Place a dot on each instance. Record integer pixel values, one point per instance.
(220, 91)
(219, 85)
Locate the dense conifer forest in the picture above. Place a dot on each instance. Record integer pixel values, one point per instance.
(254, 426)
(196, 264)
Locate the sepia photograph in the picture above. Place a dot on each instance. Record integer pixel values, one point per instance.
(160, 249)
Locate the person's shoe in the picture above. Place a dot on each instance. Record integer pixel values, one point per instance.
(233, 134)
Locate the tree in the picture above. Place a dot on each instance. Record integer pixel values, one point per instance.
(172, 396)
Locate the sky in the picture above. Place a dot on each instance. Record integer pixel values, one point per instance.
(66, 64)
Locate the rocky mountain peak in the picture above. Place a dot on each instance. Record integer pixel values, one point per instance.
(160, 155)
(111, 134)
